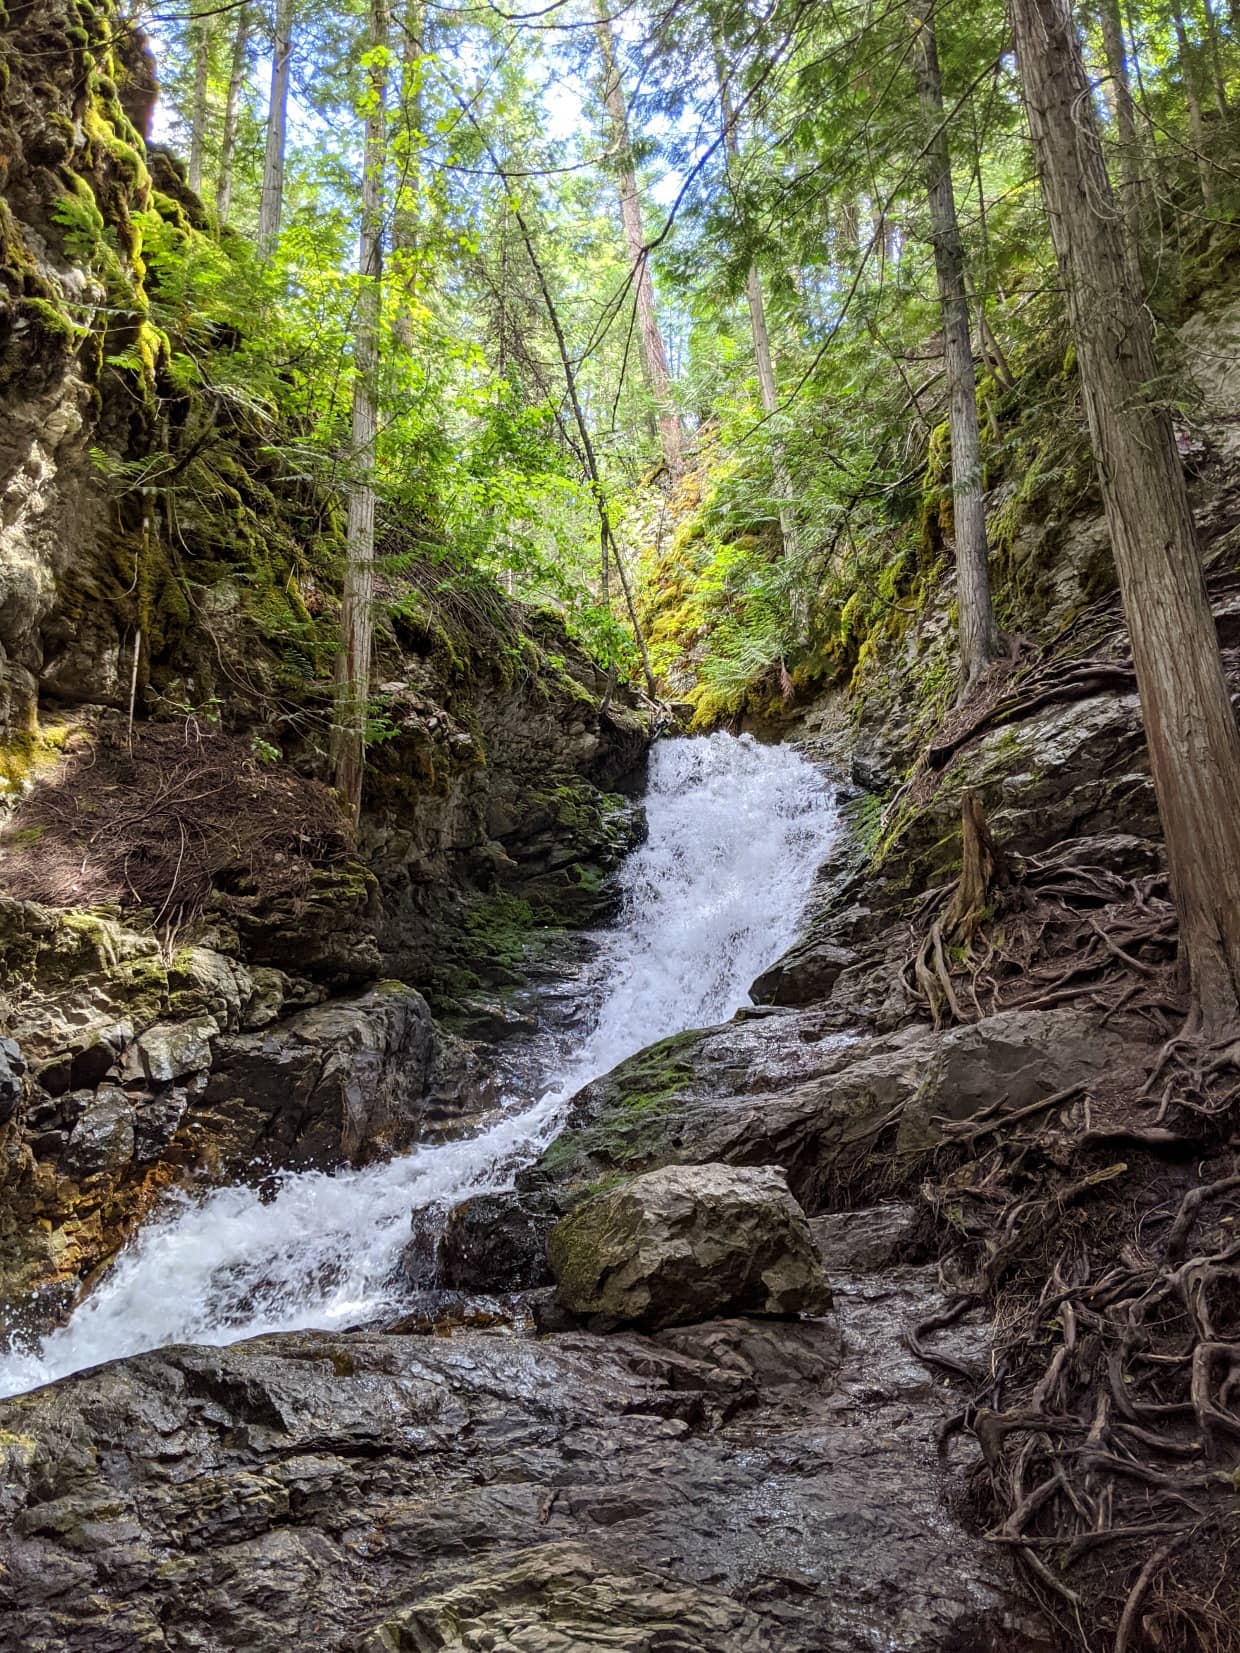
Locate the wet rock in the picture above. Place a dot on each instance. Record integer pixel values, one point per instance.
(12, 1072)
(687, 1242)
(565, 840)
(768, 1354)
(805, 974)
(417, 1268)
(491, 1017)
(497, 1243)
(156, 1121)
(171, 1050)
(523, 802)
(463, 1085)
(557, 1598)
(103, 1138)
(864, 1240)
(1014, 1057)
(788, 1090)
(395, 1491)
(341, 1082)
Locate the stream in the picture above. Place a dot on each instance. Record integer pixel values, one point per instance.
(714, 895)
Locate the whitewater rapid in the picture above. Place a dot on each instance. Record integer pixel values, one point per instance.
(715, 894)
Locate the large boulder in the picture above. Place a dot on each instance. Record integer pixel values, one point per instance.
(496, 1242)
(340, 1083)
(724, 1488)
(102, 1140)
(108, 1125)
(785, 1089)
(689, 1243)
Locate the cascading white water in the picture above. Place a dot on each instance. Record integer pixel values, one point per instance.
(714, 895)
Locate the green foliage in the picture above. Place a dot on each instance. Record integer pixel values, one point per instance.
(805, 542)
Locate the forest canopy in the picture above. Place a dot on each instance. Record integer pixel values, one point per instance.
(674, 268)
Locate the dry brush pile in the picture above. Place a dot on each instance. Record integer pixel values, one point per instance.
(169, 818)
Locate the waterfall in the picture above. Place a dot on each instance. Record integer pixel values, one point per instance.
(714, 896)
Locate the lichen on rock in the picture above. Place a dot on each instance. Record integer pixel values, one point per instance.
(688, 1243)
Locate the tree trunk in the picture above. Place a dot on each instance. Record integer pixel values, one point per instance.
(979, 635)
(992, 350)
(1216, 59)
(768, 387)
(1191, 732)
(409, 171)
(1132, 186)
(272, 200)
(198, 114)
(654, 357)
(1192, 97)
(1153, 154)
(228, 137)
(352, 673)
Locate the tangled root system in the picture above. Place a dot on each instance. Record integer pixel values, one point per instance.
(1101, 1226)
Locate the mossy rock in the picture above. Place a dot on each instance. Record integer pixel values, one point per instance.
(622, 1123)
(72, 970)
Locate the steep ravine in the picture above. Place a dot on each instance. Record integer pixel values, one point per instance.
(203, 968)
(736, 832)
(738, 1484)
(310, 1109)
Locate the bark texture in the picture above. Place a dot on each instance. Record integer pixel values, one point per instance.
(199, 112)
(1190, 727)
(232, 100)
(1120, 92)
(1192, 97)
(768, 386)
(352, 673)
(272, 201)
(979, 635)
(654, 356)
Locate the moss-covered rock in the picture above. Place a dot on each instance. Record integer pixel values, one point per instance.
(685, 1244)
(627, 1120)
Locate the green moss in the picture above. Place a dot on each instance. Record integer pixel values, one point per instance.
(52, 320)
(633, 1119)
(124, 156)
(498, 928)
(29, 752)
(350, 884)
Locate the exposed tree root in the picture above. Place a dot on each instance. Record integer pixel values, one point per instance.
(1111, 1449)
(1052, 929)
(1101, 1225)
(1074, 680)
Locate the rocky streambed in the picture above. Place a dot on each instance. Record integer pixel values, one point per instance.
(477, 1466)
(482, 1467)
(736, 1484)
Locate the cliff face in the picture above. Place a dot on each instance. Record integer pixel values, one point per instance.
(50, 300)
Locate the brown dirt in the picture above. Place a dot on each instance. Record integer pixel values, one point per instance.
(165, 821)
